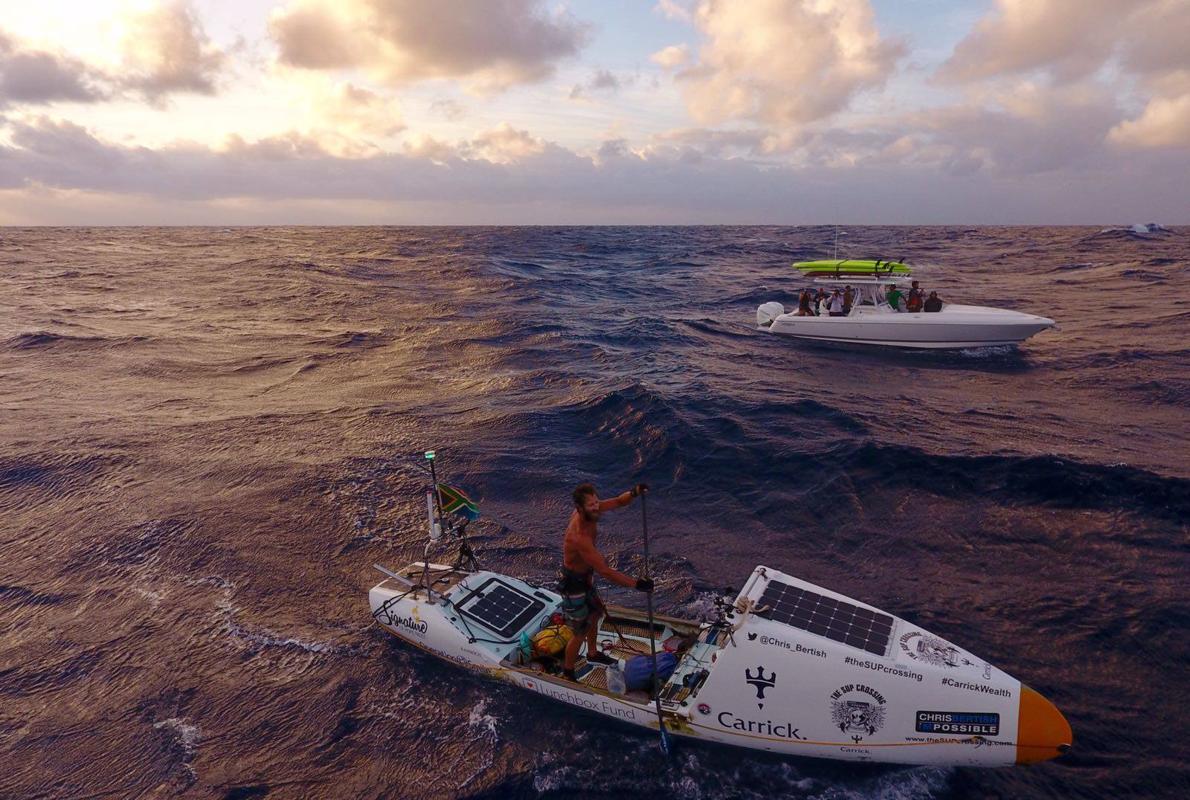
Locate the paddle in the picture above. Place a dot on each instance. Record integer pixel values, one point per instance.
(644, 518)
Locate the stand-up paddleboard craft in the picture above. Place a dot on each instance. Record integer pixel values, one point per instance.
(873, 321)
(785, 666)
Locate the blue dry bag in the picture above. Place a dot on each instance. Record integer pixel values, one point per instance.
(636, 670)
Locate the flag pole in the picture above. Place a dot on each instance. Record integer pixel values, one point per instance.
(425, 559)
(644, 518)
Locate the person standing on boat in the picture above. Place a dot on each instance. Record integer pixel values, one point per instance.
(848, 299)
(803, 304)
(933, 303)
(913, 303)
(835, 307)
(820, 298)
(894, 297)
(581, 605)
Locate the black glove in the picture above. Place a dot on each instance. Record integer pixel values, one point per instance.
(644, 585)
(639, 489)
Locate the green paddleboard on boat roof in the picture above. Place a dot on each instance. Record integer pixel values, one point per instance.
(852, 266)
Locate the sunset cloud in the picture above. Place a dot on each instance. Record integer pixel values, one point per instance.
(167, 52)
(602, 81)
(35, 77)
(1165, 123)
(784, 63)
(1066, 41)
(456, 112)
(1067, 38)
(673, 56)
(490, 44)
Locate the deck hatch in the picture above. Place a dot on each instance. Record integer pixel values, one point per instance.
(837, 620)
(500, 607)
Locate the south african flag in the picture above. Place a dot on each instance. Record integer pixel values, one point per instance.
(455, 501)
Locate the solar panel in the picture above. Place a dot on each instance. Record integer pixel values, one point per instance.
(500, 607)
(836, 620)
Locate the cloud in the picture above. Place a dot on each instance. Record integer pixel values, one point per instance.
(1068, 41)
(784, 62)
(166, 51)
(347, 113)
(1029, 130)
(491, 44)
(1165, 122)
(674, 9)
(448, 109)
(673, 56)
(1069, 38)
(612, 148)
(36, 77)
(504, 145)
(70, 175)
(602, 81)
(715, 142)
(423, 146)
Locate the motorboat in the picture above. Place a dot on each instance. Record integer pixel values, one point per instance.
(872, 320)
(782, 665)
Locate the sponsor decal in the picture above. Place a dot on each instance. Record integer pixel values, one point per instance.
(795, 647)
(884, 669)
(975, 741)
(858, 710)
(975, 687)
(760, 682)
(703, 708)
(982, 742)
(766, 727)
(931, 650)
(971, 723)
(580, 699)
(860, 753)
(413, 622)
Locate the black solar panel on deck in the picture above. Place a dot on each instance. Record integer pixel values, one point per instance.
(834, 619)
(500, 607)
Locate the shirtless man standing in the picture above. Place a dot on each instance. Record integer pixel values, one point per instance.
(580, 561)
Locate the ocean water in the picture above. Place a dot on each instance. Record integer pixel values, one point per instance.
(208, 436)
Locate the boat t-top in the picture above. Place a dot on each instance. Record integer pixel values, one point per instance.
(873, 321)
(783, 665)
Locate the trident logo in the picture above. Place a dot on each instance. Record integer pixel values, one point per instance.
(760, 682)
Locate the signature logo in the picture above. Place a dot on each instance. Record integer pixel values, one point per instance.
(752, 637)
(760, 682)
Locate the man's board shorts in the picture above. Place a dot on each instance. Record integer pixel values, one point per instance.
(579, 600)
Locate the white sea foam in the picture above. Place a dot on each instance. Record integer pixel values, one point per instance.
(186, 734)
(485, 723)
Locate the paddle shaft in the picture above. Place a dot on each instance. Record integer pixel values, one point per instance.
(644, 518)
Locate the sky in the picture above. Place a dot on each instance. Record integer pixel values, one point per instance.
(227, 112)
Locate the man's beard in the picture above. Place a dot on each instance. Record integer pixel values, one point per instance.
(589, 516)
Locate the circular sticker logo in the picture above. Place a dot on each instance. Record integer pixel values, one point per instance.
(858, 710)
(929, 649)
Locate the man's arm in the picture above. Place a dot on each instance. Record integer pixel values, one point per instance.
(595, 560)
(625, 498)
(618, 501)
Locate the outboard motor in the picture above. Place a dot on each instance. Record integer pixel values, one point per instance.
(767, 312)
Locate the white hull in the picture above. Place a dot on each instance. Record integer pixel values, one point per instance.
(769, 685)
(954, 327)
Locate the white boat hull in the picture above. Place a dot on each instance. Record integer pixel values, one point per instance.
(769, 686)
(954, 327)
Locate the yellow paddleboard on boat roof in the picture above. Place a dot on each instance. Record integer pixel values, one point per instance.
(850, 266)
